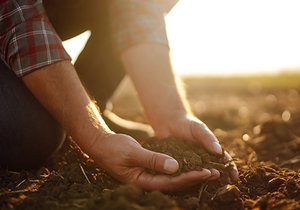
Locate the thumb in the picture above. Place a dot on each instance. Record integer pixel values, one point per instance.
(156, 161)
(205, 136)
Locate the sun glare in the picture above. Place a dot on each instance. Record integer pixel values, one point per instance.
(234, 36)
(220, 37)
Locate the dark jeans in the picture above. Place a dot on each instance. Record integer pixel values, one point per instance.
(28, 134)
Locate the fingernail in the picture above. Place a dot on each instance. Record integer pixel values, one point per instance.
(171, 166)
(217, 148)
(214, 172)
(206, 172)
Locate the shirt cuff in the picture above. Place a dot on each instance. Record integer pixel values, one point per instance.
(31, 45)
(137, 21)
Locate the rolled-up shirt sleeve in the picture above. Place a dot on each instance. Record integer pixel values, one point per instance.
(138, 21)
(27, 39)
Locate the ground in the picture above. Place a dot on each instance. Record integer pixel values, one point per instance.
(257, 120)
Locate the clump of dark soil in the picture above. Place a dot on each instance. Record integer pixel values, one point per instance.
(190, 157)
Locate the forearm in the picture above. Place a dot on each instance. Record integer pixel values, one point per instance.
(58, 88)
(150, 69)
(165, 105)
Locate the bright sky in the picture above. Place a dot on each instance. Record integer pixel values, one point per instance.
(218, 37)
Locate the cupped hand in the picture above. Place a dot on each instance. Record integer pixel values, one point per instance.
(189, 127)
(126, 160)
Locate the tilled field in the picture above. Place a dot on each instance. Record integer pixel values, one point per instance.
(257, 121)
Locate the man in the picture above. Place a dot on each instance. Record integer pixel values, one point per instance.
(41, 94)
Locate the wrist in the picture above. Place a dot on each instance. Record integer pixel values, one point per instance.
(168, 110)
(89, 128)
(91, 147)
(165, 126)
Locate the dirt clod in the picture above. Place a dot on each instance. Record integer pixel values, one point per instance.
(190, 157)
(227, 193)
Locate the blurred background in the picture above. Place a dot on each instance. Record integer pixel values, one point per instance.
(226, 38)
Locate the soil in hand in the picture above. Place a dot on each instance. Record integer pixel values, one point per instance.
(191, 157)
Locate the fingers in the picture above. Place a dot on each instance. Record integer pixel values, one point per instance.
(155, 161)
(168, 183)
(166, 164)
(234, 173)
(215, 174)
(201, 133)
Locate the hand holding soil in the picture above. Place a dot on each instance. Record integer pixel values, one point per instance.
(127, 161)
(192, 130)
(191, 157)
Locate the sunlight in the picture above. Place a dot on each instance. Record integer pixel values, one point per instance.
(234, 37)
(75, 45)
(229, 37)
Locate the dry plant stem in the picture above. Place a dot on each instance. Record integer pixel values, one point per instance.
(24, 180)
(84, 174)
(202, 189)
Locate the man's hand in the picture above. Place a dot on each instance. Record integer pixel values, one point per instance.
(163, 97)
(191, 128)
(58, 88)
(127, 161)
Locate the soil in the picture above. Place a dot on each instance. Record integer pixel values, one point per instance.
(189, 156)
(257, 121)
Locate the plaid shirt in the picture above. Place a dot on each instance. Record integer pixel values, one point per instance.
(137, 21)
(27, 39)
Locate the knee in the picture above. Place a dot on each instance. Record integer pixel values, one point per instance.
(29, 135)
(30, 148)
